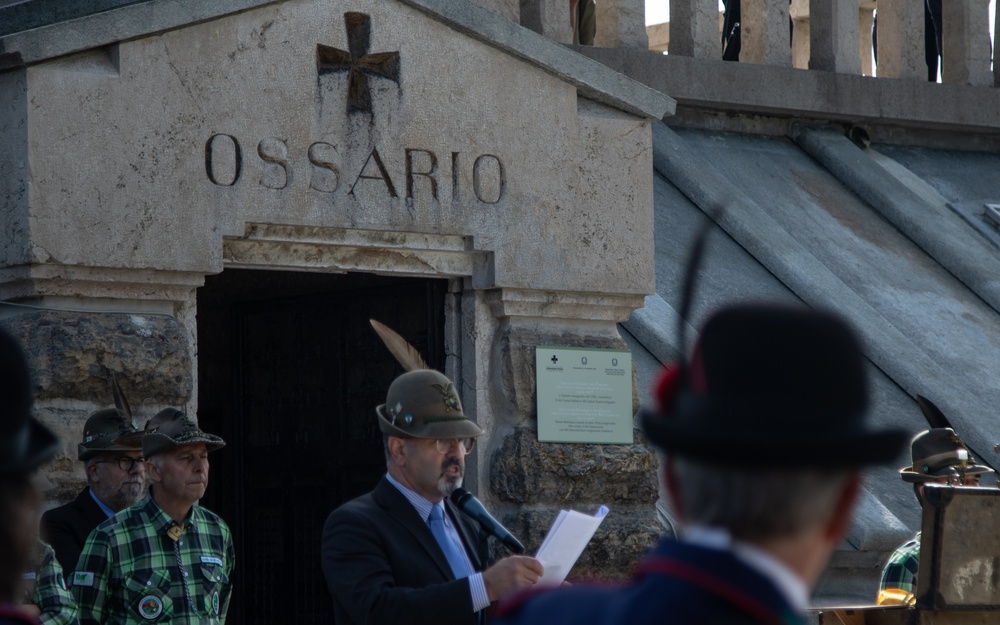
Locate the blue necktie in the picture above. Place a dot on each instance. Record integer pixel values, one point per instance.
(448, 546)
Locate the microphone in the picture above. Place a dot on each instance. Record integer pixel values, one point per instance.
(474, 508)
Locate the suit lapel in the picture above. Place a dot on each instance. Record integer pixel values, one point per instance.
(402, 512)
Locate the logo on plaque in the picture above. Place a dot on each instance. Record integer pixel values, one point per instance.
(358, 62)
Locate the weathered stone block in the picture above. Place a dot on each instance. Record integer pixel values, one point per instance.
(524, 471)
(72, 356)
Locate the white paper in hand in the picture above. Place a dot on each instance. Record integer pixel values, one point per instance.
(564, 543)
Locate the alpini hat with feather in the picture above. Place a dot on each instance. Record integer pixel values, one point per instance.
(424, 404)
(772, 385)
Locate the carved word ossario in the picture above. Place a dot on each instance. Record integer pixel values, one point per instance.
(318, 166)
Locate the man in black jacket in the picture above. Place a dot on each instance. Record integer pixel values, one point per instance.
(404, 553)
(115, 481)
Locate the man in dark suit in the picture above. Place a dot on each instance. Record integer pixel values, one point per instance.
(115, 481)
(404, 553)
(764, 434)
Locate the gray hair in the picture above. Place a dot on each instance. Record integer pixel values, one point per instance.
(757, 504)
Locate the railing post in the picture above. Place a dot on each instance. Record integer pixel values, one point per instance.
(694, 29)
(621, 24)
(765, 33)
(965, 43)
(900, 34)
(548, 17)
(865, 36)
(833, 36)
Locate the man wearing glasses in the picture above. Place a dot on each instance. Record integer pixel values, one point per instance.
(403, 552)
(115, 481)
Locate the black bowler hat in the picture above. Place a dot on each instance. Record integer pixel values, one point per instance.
(771, 386)
(25, 444)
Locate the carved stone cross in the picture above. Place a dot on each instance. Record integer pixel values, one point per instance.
(357, 62)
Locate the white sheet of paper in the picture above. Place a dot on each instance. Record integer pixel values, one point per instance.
(564, 543)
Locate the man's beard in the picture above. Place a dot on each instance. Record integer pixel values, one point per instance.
(447, 484)
(127, 494)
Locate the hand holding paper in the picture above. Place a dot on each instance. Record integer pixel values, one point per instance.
(564, 543)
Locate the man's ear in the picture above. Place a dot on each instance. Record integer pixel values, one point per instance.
(152, 471)
(843, 510)
(397, 451)
(93, 473)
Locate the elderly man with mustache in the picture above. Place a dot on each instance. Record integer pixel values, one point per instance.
(404, 553)
(165, 559)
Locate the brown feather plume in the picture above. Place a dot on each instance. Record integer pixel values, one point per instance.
(120, 402)
(405, 354)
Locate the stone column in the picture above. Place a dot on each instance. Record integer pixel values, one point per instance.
(764, 35)
(798, 10)
(504, 8)
(965, 43)
(865, 19)
(833, 36)
(531, 482)
(694, 29)
(621, 24)
(548, 17)
(901, 40)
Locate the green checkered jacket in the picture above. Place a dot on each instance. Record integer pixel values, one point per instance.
(46, 588)
(132, 571)
(901, 570)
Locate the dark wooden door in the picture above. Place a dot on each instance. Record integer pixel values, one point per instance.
(307, 373)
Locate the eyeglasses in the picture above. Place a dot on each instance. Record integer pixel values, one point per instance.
(465, 445)
(125, 463)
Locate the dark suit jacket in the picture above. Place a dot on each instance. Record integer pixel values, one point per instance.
(383, 565)
(67, 527)
(678, 583)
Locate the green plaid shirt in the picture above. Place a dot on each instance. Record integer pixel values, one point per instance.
(132, 571)
(46, 588)
(901, 570)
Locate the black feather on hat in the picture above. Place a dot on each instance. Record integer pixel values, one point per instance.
(25, 444)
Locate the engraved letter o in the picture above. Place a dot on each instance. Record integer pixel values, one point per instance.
(495, 185)
(210, 160)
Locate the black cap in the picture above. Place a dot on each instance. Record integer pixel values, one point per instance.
(771, 386)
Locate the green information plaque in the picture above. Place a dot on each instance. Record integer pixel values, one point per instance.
(584, 395)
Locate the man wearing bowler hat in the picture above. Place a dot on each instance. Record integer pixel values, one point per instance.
(165, 559)
(115, 481)
(937, 456)
(764, 434)
(404, 553)
(25, 445)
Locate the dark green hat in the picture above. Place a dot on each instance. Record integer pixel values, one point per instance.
(424, 404)
(108, 430)
(172, 428)
(935, 453)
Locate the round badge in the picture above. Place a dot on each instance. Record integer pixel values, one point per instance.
(215, 602)
(150, 608)
(408, 419)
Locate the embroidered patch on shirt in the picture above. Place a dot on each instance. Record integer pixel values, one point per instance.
(211, 560)
(150, 608)
(29, 576)
(83, 578)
